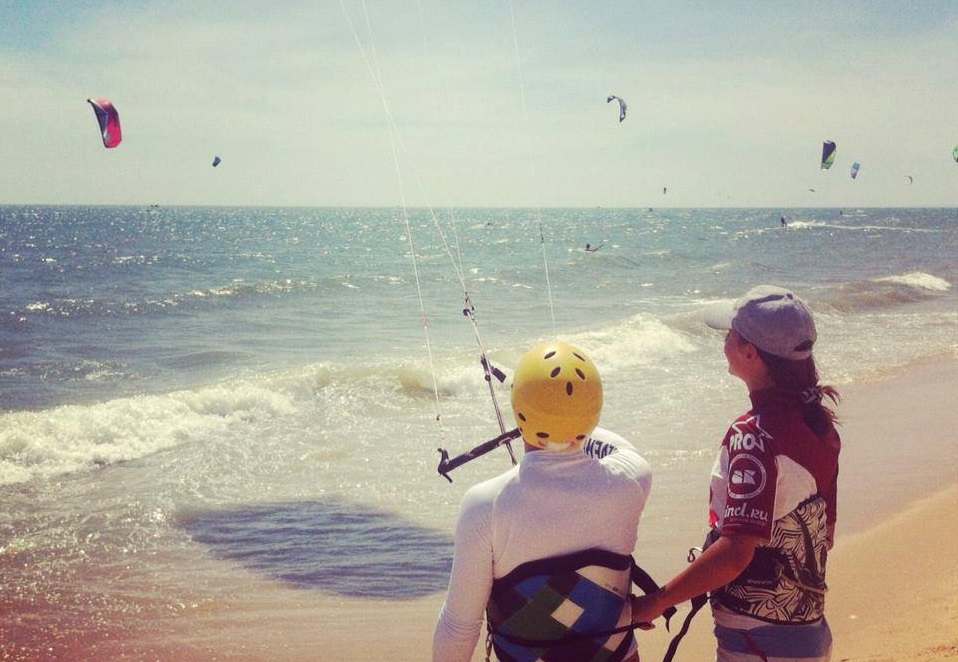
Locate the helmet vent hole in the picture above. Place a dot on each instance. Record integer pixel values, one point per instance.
(568, 388)
(555, 372)
(581, 374)
(522, 417)
(549, 354)
(542, 435)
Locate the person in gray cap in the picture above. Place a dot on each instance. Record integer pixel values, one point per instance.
(772, 493)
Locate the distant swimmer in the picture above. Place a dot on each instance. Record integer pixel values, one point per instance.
(784, 222)
(589, 248)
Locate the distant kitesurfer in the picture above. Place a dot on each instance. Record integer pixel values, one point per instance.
(784, 222)
(773, 491)
(573, 502)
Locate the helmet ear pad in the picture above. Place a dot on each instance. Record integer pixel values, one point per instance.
(556, 396)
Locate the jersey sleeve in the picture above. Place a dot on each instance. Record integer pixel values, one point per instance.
(751, 476)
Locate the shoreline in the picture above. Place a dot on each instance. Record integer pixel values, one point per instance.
(893, 595)
(911, 613)
(893, 584)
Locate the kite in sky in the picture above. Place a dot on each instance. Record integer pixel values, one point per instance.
(109, 121)
(828, 154)
(216, 161)
(954, 153)
(622, 105)
(855, 166)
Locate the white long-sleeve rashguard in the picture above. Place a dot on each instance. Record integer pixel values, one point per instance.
(548, 505)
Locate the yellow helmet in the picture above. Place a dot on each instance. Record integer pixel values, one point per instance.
(556, 395)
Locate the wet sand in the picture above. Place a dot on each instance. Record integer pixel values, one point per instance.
(892, 575)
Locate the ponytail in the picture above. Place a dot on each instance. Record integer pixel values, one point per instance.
(801, 377)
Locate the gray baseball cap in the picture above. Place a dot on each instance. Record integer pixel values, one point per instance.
(771, 318)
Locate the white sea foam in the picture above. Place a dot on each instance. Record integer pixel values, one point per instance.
(77, 437)
(919, 280)
(843, 226)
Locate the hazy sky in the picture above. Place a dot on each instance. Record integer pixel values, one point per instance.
(728, 102)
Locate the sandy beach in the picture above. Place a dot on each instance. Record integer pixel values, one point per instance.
(894, 597)
(892, 574)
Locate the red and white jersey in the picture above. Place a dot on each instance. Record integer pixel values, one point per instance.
(770, 462)
(776, 479)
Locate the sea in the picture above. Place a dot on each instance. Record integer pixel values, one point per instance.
(199, 400)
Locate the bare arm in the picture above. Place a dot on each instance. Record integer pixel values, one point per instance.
(722, 562)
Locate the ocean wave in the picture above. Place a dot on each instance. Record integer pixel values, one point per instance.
(919, 280)
(883, 292)
(73, 438)
(639, 340)
(146, 304)
(812, 224)
(455, 374)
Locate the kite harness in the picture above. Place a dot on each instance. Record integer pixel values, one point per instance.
(697, 601)
(568, 607)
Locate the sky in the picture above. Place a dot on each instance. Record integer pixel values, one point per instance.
(493, 103)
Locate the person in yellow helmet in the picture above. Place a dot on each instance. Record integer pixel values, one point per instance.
(544, 549)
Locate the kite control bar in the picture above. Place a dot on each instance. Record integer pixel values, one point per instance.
(446, 465)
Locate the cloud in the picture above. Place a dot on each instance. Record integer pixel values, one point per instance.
(293, 100)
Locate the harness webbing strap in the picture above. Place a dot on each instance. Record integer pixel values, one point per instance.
(697, 603)
(644, 581)
(565, 639)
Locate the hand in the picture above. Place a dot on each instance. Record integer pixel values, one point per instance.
(646, 608)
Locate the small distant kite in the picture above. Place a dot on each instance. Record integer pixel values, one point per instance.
(665, 189)
(911, 180)
(854, 172)
(108, 119)
(622, 106)
(216, 161)
(954, 153)
(828, 154)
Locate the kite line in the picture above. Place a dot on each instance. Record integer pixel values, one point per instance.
(490, 372)
(532, 165)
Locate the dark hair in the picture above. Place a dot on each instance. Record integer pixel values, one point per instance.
(801, 377)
